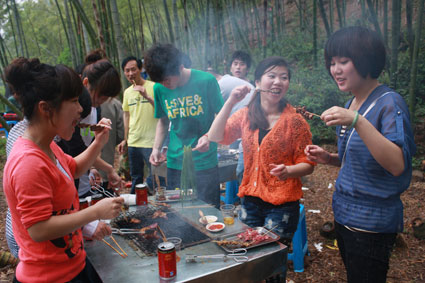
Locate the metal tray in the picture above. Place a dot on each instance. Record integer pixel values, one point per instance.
(174, 196)
(233, 237)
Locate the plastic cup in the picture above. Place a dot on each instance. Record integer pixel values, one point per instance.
(177, 244)
(228, 212)
(176, 241)
(160, 193)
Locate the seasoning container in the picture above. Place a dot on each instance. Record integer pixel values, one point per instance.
(167, 263)
(95, 198)
(84, 203)
(141, 194)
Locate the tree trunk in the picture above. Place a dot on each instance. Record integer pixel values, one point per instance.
(374, 18)
(70, 32)
(19, 29)
(409, 12)
(176, 24)
(151, 31)
(386, 22)
(331, 15)
(170, 26)
(99, 26)
(339, 11)
(264, 28)
(315, 32)
(122, 49)
(142, 32)
(90, 31)
(395, 34)
(12, 28)
(414, 69)
(324, 18)
(207, 35)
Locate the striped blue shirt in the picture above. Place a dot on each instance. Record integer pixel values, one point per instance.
(367, 196)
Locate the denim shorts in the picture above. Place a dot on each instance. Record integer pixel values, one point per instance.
(365, 255)
(258, 213)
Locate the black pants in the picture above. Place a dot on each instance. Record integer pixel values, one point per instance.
(87, 275)
(365, 255)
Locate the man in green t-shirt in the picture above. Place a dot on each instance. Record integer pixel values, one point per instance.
(189, 99)
(139, 121)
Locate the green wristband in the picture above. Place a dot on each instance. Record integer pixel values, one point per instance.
(355, 120)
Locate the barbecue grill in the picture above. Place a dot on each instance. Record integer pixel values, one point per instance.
(173, 226)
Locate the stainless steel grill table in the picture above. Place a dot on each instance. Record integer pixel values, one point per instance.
(263, 261)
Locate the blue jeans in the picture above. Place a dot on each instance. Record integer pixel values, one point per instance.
(365, 255)
(207, 184)
(257, 213)
(240, 168)
(137, 158)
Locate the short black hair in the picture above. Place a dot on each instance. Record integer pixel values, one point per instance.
(131, 58)
(363, 46)
(243, 56)
(162, 60)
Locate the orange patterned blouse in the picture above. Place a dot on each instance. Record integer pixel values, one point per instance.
(283, 144)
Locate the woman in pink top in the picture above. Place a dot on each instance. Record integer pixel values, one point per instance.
(38, 177)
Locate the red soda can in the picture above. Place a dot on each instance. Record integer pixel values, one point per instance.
(167, 261)
(83, 203)
(141, 194)
(95, 198)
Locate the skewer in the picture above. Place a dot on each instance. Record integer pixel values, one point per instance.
(269, 230)
(133, 82)
(164, 238)
(113, 239)
(118, 252)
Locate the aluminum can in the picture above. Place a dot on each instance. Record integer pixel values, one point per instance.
(95, 198)
(84, 203)
(167, 261)
(141, 194)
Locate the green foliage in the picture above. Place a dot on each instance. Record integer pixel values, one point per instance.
(314, 89)
(2, 152)
(65, 57)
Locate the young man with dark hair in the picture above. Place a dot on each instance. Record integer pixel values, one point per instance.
(189, 99)
(240, 64)
(139, 121)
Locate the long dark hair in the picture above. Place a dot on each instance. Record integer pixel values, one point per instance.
(34, 81)
(256, 116)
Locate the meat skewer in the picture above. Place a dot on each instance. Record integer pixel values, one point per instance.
(307, 115)
(91, 126)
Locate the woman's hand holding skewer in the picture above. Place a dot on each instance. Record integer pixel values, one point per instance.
(338, 116)
(108, 208)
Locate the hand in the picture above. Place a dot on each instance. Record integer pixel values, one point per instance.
(203, 144)
(279, 170)
(122, 147)
(114, 180)
(102, 136)
(108, 208)
(102, 230)
(95, 178)
(239, 93)
(317, 154)
(157, 157)
(338, 116)
(141, 90)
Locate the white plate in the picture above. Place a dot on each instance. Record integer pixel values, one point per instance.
(209, 218)
(215, 230)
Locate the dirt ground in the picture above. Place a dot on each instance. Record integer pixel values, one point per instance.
(407, 261)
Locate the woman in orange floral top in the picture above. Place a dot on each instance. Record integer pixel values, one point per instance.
(273, 138)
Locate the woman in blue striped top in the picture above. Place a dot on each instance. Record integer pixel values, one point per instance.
(375, 148)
